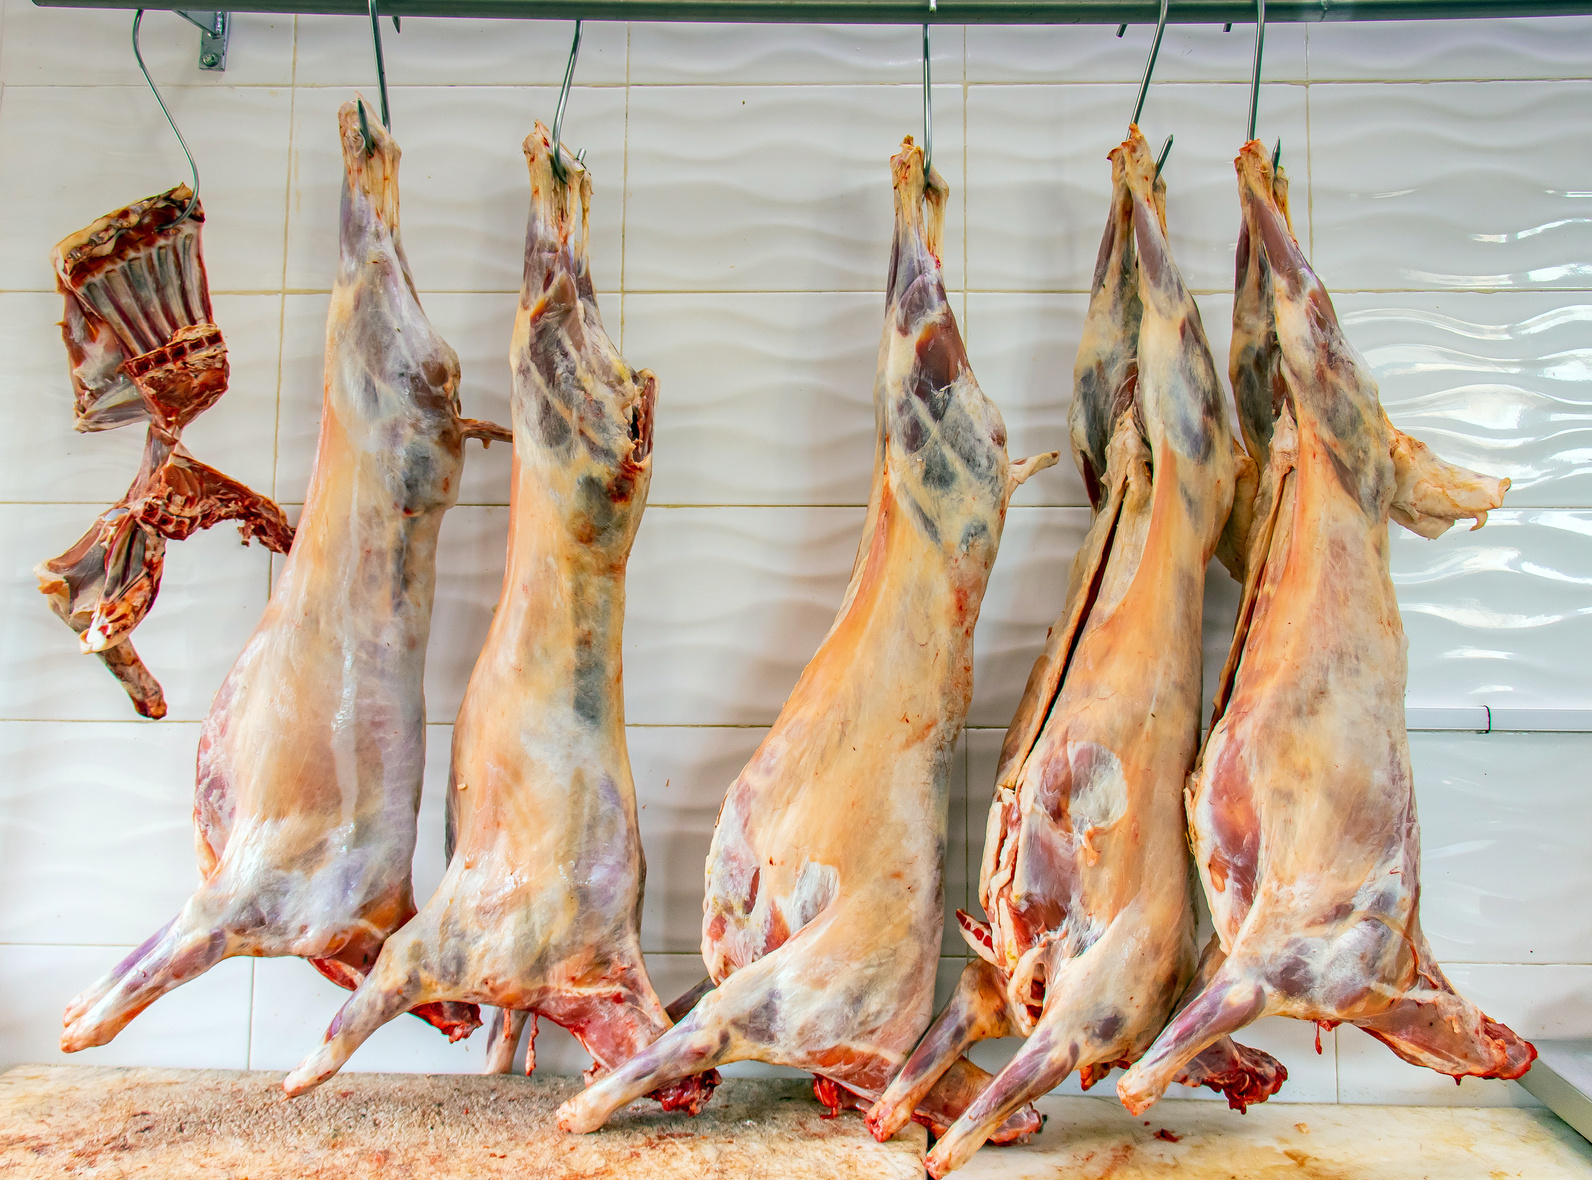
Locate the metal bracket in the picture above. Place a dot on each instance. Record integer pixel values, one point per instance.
(214, 29)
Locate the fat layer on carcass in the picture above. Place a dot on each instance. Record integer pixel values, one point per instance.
(824, 903)
(138, 332)
(310, 760)
(1085, 875)
(1301, 808)
(539, 911)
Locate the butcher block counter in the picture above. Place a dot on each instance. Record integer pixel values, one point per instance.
(93, 1121)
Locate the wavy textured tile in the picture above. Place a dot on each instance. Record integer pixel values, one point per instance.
(1501, 616)
(773, 188)
(1504, 870)
(797, 54)
(464, 191)
(67, 47)
(762, 399)
(1038, 180)
(1536, 1001)
(1529, 47)
(1022, 347)
(1094, 53)
(96, 819)
(211, 597)
(1478, 184)
(1497, 382)
(205, 1027)
(453, 51)
(725, 606)
(74, 153)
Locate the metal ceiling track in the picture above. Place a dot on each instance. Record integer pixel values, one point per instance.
(910, 12)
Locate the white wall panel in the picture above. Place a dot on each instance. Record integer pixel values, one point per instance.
(1445, 185)
(1497, 381)
(762, 398)
(774, 188)
(1504, 864)
(465, 192)
(1499, 615)
(740, 226)
(1094, 53)
(75, 153)
(1038, 178)
(203, 1026)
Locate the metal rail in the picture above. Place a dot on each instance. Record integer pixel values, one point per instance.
(912, 12)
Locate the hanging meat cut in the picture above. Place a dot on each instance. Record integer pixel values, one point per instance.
(143, 348)
(1301, 808)
(824, 899)
(540, 909)
(1085, 874)
(310, 760)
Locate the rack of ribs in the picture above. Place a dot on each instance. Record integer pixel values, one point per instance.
(1301, 808)
(139, 335)
(824, 904)
(539, 911)
(310, 761)
(1085, 875)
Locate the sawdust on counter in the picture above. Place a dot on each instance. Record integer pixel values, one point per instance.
(102, 1122)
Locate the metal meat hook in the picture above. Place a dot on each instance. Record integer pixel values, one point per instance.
(1254, 81)
(193, 201)
(1144, 84)
(381, 81)
(928, 111)
(559, 170)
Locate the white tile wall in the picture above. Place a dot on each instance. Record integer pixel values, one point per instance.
(740, 232)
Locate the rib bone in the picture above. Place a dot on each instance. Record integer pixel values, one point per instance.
(138, 332)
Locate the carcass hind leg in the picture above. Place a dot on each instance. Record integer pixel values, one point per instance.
(976, 1012)
(184, 949)
(1243, 1075)
(387, 992)
(508, 1026)
(1051, 1053)
(615, 1023)
(1433, 1025)
(1232, 999)
(708, 1036)
(453, 1019)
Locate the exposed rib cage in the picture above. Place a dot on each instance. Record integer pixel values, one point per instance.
(142, 345)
